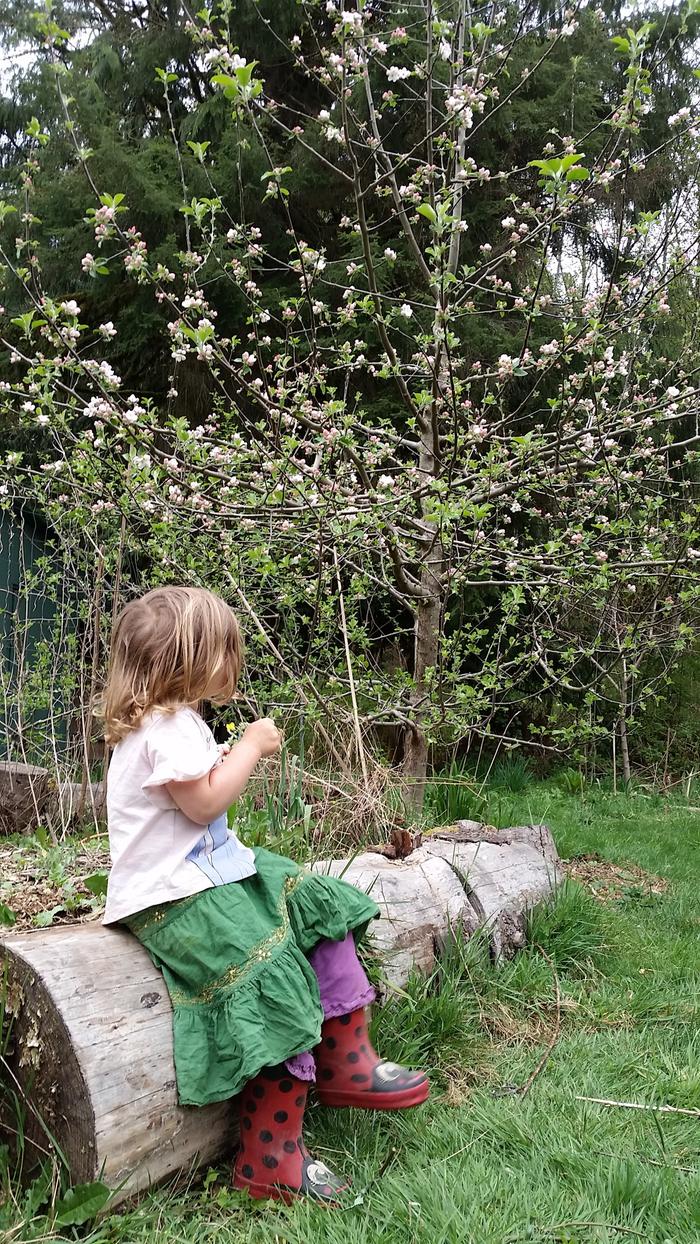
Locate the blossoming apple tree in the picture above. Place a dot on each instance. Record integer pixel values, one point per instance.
(420, 527)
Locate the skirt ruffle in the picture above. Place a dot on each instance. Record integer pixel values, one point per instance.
(234, 961)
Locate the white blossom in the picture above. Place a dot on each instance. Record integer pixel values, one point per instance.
(396, 73)
(677, 117)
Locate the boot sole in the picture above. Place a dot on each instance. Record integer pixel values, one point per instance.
(376, 1101)
(274, 1192)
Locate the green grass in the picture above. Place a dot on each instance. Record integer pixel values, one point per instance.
(481, 1164)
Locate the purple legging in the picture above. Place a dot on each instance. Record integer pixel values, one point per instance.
(343, 986)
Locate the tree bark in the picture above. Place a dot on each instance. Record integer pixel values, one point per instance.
(624, 740)
(426, 648)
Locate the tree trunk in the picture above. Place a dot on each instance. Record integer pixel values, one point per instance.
(624, 752)
(88, 1042)
(426, 647)
(624, 741)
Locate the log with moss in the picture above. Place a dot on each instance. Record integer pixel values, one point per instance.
(88, 1021)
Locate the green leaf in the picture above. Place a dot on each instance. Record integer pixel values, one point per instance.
(42, 837)
(198, 149)
(81, 1204)
(25, 322)
(568, 161)
(43, 919)
(7, 916)
(426, 210)
(245, 72)
(481, 31)
(38, 1192)
(96, 883)
(577, 174)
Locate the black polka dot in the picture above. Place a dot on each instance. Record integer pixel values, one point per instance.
(353, 1057)
(364, 1049)
(359, 1032)
(247, 1171)
(289, 1146)
(281, 1116)
(258, 1091)
(358, 1078)
(331, 1043)
(326, 1074)
(345, 1020)
(250, 1106)
(270, 1162)
(246, 1123)
(299, 1101)
(286, 1086)
(265, 1136)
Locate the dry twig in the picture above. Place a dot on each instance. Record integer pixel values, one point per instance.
(636, 1105)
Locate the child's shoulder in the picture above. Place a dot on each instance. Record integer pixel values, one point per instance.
(175, 721)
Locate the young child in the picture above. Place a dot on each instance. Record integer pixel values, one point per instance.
(257, 953)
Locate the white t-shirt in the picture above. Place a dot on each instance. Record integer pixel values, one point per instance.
(158, 853)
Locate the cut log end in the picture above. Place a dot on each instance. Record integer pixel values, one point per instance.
(45, 1073)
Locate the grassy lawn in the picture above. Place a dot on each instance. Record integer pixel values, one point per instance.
(480, 1163)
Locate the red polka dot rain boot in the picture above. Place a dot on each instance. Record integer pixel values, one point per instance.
(349, 1072)
(273, 1160)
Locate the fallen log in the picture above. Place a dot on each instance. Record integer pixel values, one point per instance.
(89, 1040)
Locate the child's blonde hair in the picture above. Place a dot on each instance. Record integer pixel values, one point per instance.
(173, 646)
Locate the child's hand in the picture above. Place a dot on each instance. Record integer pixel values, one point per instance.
(264, 735)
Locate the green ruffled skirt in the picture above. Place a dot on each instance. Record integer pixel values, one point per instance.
(234, 961)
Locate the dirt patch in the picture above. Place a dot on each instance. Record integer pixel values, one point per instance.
(609, 882)
(45, 885)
